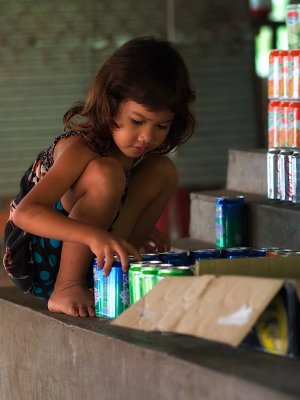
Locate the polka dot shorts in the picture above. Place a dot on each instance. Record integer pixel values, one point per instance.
(46, 258)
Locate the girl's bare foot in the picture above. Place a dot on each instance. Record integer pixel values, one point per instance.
(72, 298)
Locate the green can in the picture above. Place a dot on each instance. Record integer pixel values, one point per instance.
(174, 271)
(230, 222)
(134, 280)
(148, 278)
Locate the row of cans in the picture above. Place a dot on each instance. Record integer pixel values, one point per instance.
(284, 74)
(284, 124)
(283, 174)
(116, 292)
(144, 275)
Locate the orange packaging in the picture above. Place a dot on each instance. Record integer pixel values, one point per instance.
(283, 73)
(273, 79)
(294, 75)
(273, 123)
(282, 116)
(294, 124)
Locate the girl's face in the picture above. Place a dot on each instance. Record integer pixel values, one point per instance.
(140, 130)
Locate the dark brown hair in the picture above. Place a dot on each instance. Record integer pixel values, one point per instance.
(148, 71)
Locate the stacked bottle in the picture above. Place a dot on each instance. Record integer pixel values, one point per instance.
(283, 170)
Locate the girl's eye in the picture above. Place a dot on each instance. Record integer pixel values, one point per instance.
(136, 122)
(163, 127)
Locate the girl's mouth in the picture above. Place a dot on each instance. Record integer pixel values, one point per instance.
(139, 149)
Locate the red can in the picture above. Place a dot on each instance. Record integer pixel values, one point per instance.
(273, 79)
(283, 74)
(294, 74)
(282, 117)
(273, 123)
(293, 127)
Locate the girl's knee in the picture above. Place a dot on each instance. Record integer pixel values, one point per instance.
(103, 178)
(165, 171)
(104, 173)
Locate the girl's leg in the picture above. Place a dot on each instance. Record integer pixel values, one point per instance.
(94, 199)
(151, 186)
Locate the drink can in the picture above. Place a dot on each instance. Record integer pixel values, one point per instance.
(180, 270)
(294, 74)
(285, 174)
(293, 26)
(203, 254)
(175, 258)
(283, 74)
(148, 278)
(273, 123)
(97, 288)
(134, 280)
(282, 129)
(273, 174)
(273, 78)
(230, 221)
(294, 124)
(261, 252)
(150, 257)
(296, 177)
(236, 252)
(111, 292)
(275, 252)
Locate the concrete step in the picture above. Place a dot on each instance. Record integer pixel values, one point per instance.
(247, 171)
(269, 223)
(55, 356)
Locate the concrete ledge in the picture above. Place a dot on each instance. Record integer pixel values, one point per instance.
(247, 171)
(270, 222)
(49, 356)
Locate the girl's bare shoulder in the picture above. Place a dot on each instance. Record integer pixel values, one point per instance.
(77, 145)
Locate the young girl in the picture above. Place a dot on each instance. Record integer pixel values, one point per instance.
(99, 189)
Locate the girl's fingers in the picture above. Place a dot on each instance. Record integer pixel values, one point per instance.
(109, 259)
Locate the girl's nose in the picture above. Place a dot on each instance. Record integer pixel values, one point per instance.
(146, 135)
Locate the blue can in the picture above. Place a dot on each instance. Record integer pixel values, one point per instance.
(258, 252)
(203, 254)
(150, 257)
(236, 252)
(111, 292)
(230, 222)
(175, 257)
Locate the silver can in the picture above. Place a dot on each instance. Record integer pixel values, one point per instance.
(285, 174)
(296, 177)
(273, 173)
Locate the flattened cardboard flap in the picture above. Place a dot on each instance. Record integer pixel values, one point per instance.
(222, 308)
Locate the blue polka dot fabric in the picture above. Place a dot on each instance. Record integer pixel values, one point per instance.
(46, 258)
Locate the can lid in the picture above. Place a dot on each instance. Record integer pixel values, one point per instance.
(286, 152)
(181, 270)
(149, 270)
(135, 267)
(140, 263)
(230, 200)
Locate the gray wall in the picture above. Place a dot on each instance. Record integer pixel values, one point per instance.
(50, 51)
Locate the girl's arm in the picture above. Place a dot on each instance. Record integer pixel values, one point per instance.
(35, 214)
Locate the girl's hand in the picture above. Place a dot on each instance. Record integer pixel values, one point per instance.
(156, 242)
(105, 245)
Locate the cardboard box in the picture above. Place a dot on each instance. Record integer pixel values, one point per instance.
(221, 308)
(277, 330)
(287, 267)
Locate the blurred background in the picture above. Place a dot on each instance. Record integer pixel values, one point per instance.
(50, 52)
